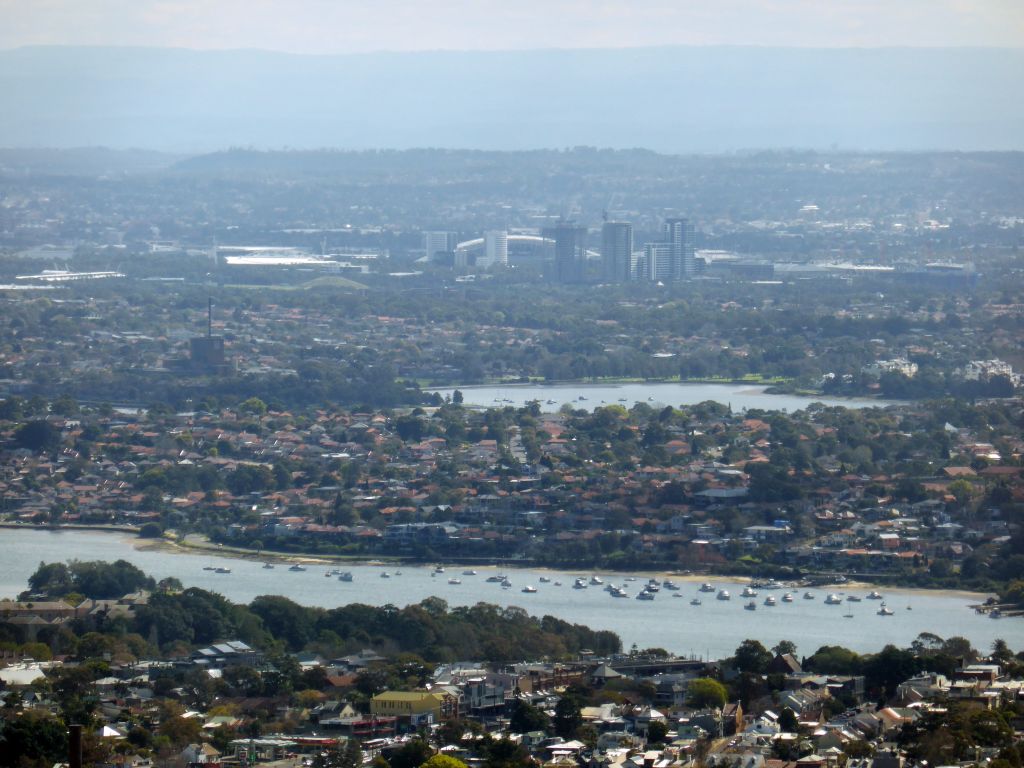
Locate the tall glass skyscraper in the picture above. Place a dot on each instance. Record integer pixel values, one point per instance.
(617, 251)
(570, 251)
(679, 234)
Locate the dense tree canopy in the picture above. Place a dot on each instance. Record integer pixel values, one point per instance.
(96, 579)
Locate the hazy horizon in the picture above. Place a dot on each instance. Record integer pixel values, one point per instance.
(673, 99)
(350, 26)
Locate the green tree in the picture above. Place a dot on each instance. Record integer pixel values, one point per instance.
(37, 435)
(409, 428)
(52, 580)
(656, 731)
(784, 647)
(412, 754)
(567, 716)
(834, 660)
(254, 406)
(32, 740)
(787, 721)
(525, 718)
(286, 620)
(889, 667)
(752, 657)
(443, 761)
(505, 753)
(706, 692)
(181, 731)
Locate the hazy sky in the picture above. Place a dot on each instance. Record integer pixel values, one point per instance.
(345, 26)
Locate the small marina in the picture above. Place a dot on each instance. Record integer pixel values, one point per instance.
(710, 618)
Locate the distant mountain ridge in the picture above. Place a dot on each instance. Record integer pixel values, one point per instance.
(670, 99)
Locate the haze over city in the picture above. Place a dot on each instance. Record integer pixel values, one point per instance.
(376, 377)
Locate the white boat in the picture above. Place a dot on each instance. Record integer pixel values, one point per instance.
(873, 595)
(653, 586)
(558, 583)
(222, 569)
(833, 599)
(544, 580)
(579, 584)
(707, 587)
(297, 567)
(852, 599)
(669, 585)
(469, 573)
(884, 610)
(345, 576)
(496, 578)
(723, 594)
(630, 578)
(645, 595)
(617, 592)
(770, 600)
(529, 589)
(439, 569)
(695, 601)
(385, 575)
(808, 596)
(506, 583)
(749, 591)
(751, 606)
(596, 581)
(788, 597)
(268, 566)
(454, 581)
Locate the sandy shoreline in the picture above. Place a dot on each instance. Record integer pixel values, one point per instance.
(197, 547)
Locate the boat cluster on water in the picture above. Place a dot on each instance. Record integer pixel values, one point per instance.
(647, 591)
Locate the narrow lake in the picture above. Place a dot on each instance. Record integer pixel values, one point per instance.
(713, 628)
(657, 394)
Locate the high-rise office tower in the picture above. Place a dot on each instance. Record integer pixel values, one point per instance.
(616, 250)
(570, 251)
(679, 235)
(495, 249)
(439, 242)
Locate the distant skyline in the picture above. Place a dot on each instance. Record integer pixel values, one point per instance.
(358, 26)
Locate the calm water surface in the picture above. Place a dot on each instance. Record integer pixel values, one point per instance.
(656, 394)
(715, 627)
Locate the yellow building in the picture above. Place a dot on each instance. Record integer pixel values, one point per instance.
(415, 707)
